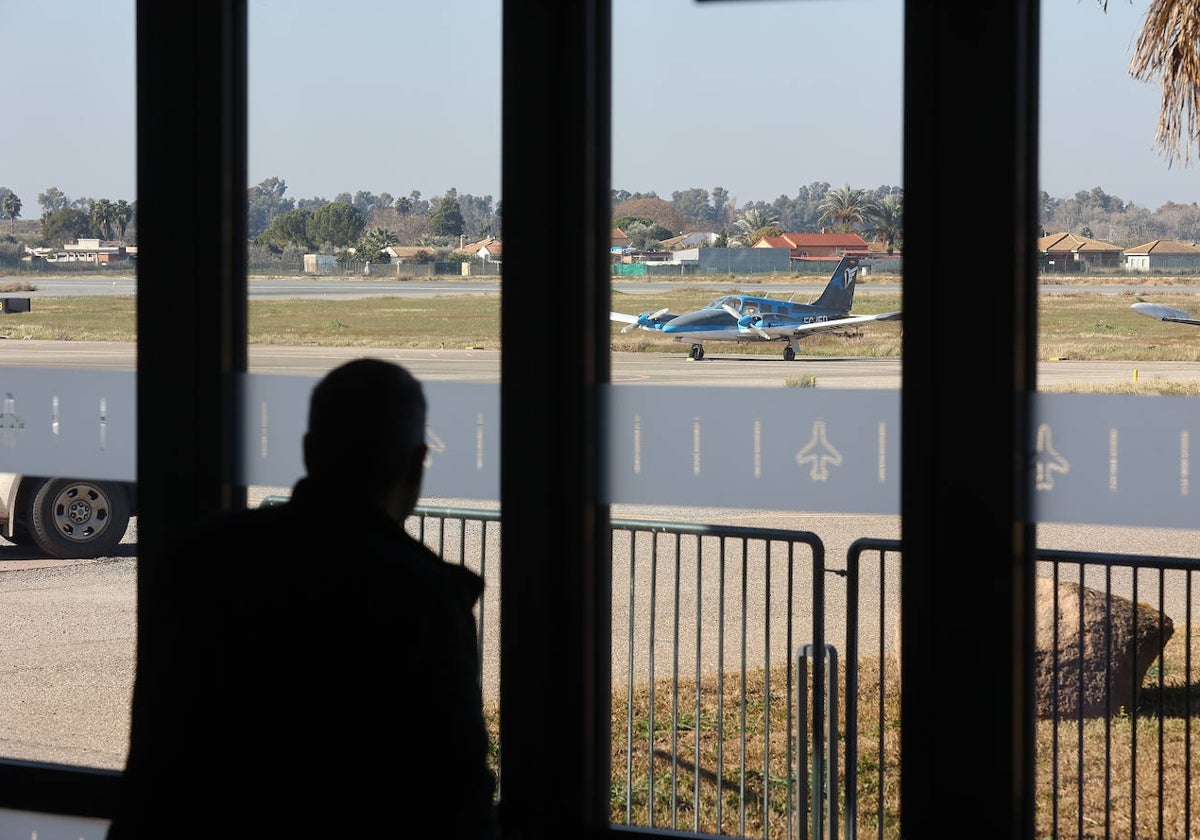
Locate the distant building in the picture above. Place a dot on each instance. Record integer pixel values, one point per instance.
(817, 244)
(85, 250)
(319, 264)
(1067, 253)
(489, 250)
(688, 240)
(400, 254)
(1163, 255)
(734, 260)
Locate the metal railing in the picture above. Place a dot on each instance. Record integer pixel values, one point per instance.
(726, 721)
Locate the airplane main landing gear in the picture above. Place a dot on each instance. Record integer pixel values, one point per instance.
(789, 355)
(697, 352)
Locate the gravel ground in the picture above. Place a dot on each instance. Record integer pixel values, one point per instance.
(68, 628)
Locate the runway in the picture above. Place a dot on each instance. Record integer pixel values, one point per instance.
(658, 368)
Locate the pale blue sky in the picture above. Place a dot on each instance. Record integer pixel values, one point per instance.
(396, 97)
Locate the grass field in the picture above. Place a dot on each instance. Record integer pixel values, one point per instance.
(1071, 326)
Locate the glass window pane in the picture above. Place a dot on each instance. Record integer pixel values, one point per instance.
(68, 245)
(756, 165)
(374, 216)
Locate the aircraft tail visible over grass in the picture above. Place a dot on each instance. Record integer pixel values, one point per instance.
(747, 318)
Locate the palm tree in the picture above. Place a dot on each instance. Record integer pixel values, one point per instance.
(843, 207)
(1167, 48)
(370, 246)
(11, 207)
(884, 220)
(752, 221)
(122, 215)
(102, 217)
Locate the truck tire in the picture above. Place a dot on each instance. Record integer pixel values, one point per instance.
(75, 518)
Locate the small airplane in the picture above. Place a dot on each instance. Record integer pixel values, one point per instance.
(746, 318)
(1162, 312)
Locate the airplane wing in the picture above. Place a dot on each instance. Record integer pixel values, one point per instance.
(1161, 312)
(787, 329)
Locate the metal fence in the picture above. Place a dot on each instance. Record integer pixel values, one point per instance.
(756, 684)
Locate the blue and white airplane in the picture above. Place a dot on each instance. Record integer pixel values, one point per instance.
(746, 318)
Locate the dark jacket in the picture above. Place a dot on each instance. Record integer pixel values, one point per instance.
(330, 687)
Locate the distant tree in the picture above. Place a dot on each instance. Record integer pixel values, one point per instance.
(693, 205)
(10, 206)
(721, 207)
(338, 223)
(310, 203)
(265, 201)
(64, 226)
(289, 229)
(883, 221)
(371, 244)
(647, 236)
(843, 207)
(101, 216)
(123, 213)
(366, 203)
(722, 240)
(763, 233)
(752, 221)
(656, 210)
(407, 228)
(344, 198)
(445, 219)
(625, 222)
(479, 218)
(53, 200)
(619, 196)
(412, 204)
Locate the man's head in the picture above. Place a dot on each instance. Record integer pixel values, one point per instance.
(366, 432)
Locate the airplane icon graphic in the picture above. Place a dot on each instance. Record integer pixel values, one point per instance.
(433, 444)
(819, 452)
(1048, 461)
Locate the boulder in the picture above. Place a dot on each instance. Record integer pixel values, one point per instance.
(1106, 644)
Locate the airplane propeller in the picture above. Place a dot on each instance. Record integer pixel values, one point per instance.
(645, 320)
(746, 322)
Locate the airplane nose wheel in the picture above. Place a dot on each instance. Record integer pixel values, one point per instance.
(697, 352)
(789, 355)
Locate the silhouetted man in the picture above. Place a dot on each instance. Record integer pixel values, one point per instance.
(330, 687)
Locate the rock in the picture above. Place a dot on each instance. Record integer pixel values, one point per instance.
(1099, 683)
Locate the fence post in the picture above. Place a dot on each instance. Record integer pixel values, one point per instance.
(822, 792)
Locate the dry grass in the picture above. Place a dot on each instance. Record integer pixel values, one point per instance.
(695, 775)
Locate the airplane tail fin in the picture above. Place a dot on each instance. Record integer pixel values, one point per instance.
(839, 293)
